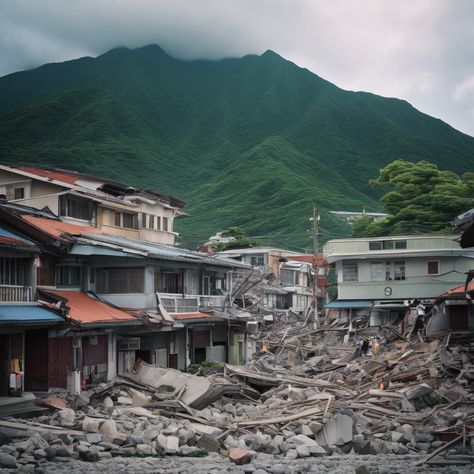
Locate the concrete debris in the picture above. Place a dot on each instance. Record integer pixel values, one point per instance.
(240, 455)
(307, 395)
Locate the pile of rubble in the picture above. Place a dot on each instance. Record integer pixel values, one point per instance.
(306, 394)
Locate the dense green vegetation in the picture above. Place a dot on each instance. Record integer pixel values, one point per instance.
(422, 199)
(250, 142)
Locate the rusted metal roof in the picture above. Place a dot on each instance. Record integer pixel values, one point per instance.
(86, 309)
(57, 228)
(50, 174)
(184, 316)
(9, 239)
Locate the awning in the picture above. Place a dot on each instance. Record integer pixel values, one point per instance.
(354, 304)
(30, 314)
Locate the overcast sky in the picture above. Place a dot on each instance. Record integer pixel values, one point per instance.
(418, 50)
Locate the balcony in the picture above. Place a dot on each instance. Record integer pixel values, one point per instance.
(16, 294)
(177, 303)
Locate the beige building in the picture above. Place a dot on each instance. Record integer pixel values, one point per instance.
(114, 208)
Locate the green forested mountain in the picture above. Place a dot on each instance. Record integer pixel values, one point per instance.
(250, 142)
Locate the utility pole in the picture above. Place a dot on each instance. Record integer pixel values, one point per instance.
(314, 231)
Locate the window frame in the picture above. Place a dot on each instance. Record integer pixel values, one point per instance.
(120, 280)
(402, 270)
(380, 274)
(438, 267)
(76, 207)
(73, 280)
(345, 268)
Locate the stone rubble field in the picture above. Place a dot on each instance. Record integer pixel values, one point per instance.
(316, 408)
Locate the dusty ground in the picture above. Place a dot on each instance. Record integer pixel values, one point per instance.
(263, 463)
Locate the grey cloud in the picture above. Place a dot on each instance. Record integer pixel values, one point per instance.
(418, 50)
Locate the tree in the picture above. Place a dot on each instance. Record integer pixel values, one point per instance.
(422, 199)
(238, 240)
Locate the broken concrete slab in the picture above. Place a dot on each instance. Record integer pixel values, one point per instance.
(337, 431)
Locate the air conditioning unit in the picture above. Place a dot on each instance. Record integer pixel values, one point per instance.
(74, 382)
(252, 327)
(129, 344)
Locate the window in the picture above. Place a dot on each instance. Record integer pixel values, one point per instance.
(377, 271)
(126, 220)
(15, 190)
(375, 245)
(398, 270)
(12, 271)
(68, 275)
(158, 222)
(143, 220)
(287, 277)
(75, 207)
(120, 280)
(433, 267)
(350, 272)
(129, 220)
(19, 193)
(169, 281)
(257, 260)
(165, 224)
(388, 245)
(151, 222)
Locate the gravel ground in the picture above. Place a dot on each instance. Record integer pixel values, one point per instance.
(263, 463)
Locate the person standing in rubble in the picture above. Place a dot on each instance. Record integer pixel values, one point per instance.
(358, 343)
(364, 347)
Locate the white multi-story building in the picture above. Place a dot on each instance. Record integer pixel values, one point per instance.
(389, 272)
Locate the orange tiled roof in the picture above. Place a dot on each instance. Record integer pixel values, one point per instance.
(86, 310)
(57, 228)
(56, 175)
(183, 316)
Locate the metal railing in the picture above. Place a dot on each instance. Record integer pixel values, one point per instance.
(174, 303)
(16, 294)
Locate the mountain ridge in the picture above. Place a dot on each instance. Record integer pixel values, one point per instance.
(183, 127)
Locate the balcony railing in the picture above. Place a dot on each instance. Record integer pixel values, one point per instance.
(16, 294)
(174, 303)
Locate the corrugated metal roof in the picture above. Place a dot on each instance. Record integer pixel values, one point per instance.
(56, 228)
(10, 239)
(355, 304)
(459, 291)
(156, 250)
(28, 314)
(87, 310)
(50, 174)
